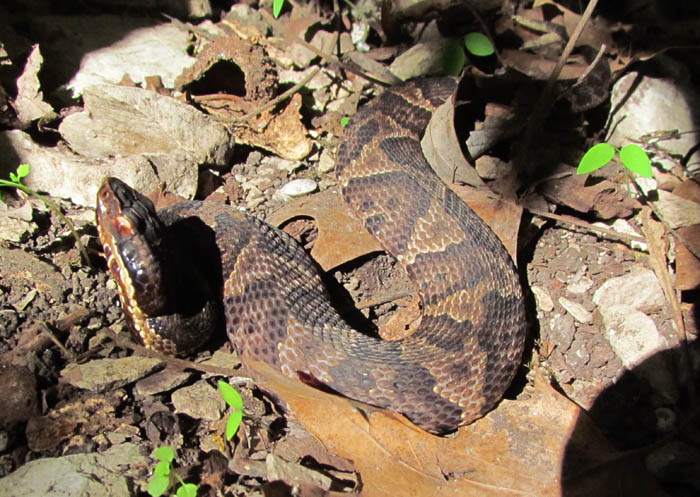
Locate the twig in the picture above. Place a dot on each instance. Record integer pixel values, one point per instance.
(277, 99)
(182, 364)
(544, 103)
(592, 65)
(588, 226)
(382, 299)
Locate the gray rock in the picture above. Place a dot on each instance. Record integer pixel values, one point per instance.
(109, 474)
(18, 392)
(577, 356)
(326, 162)
(561, 331)
(579, 312)
(138, 47)
(656, 104)
(199, 401)
(120, 120)
(632, 334)
(294, 473)
(544, 300)
(162, 381)
(299, 187)
(107, 374)
(568, 261)
(637, 289)
(64, 174)
(636, 340)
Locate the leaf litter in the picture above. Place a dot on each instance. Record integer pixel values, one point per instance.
(538, 443)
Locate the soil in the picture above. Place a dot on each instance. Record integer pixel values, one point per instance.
(56, 311)
(48, 297)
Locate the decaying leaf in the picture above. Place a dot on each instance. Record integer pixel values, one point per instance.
(687, 264)
(341, 237)
(441, 147)
(605, 197)
(517, 449)
(677, 211)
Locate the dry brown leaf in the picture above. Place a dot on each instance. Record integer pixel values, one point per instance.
(657, 241)
(677, 211)
(605, 197)
(284, 134)
(688, 190)
(687, 265)
(341, 237)
(538, 67)
(517, 449)
(441, 147)
(596, 32)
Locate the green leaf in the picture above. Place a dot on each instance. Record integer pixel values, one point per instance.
(277, 7)
(22, 170)
(453, 59)
(233, 423)
(187, 490)
(344, 121)
(230, 395)
(164, 453)
(158, 486)
(596, 157)
(162, 469)
(636, 160)
(478, 44)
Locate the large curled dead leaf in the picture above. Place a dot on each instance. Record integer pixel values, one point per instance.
(342, 238)
(441, 147)
(517, 449)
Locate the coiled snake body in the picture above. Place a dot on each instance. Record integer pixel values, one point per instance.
(177, 270)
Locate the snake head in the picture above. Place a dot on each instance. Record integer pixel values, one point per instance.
(164, 286)
(131, 234)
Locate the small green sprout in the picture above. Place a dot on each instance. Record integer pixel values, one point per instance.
(344, 121)
(478, 44)
(235, 402)
(277, 7)
(163, 473)
(16, 182)
(454, 58)
(633, 157)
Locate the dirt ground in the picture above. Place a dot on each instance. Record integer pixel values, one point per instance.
(58, 314)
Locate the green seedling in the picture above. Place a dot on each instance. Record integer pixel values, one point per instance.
(277, 7)
(16, 182)
(163, 474)
(633, 157)
(454, 57)
(344, 121)
(234, 401)
(478, 44)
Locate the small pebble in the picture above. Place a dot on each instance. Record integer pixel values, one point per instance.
(299, 187)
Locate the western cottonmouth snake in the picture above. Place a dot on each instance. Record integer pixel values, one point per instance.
(176, 270)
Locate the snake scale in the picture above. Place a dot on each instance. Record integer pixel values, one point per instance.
(178, 269)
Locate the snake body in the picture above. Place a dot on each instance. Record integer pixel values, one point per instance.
(450, 371)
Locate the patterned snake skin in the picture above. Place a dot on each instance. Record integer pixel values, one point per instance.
(450, 371)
